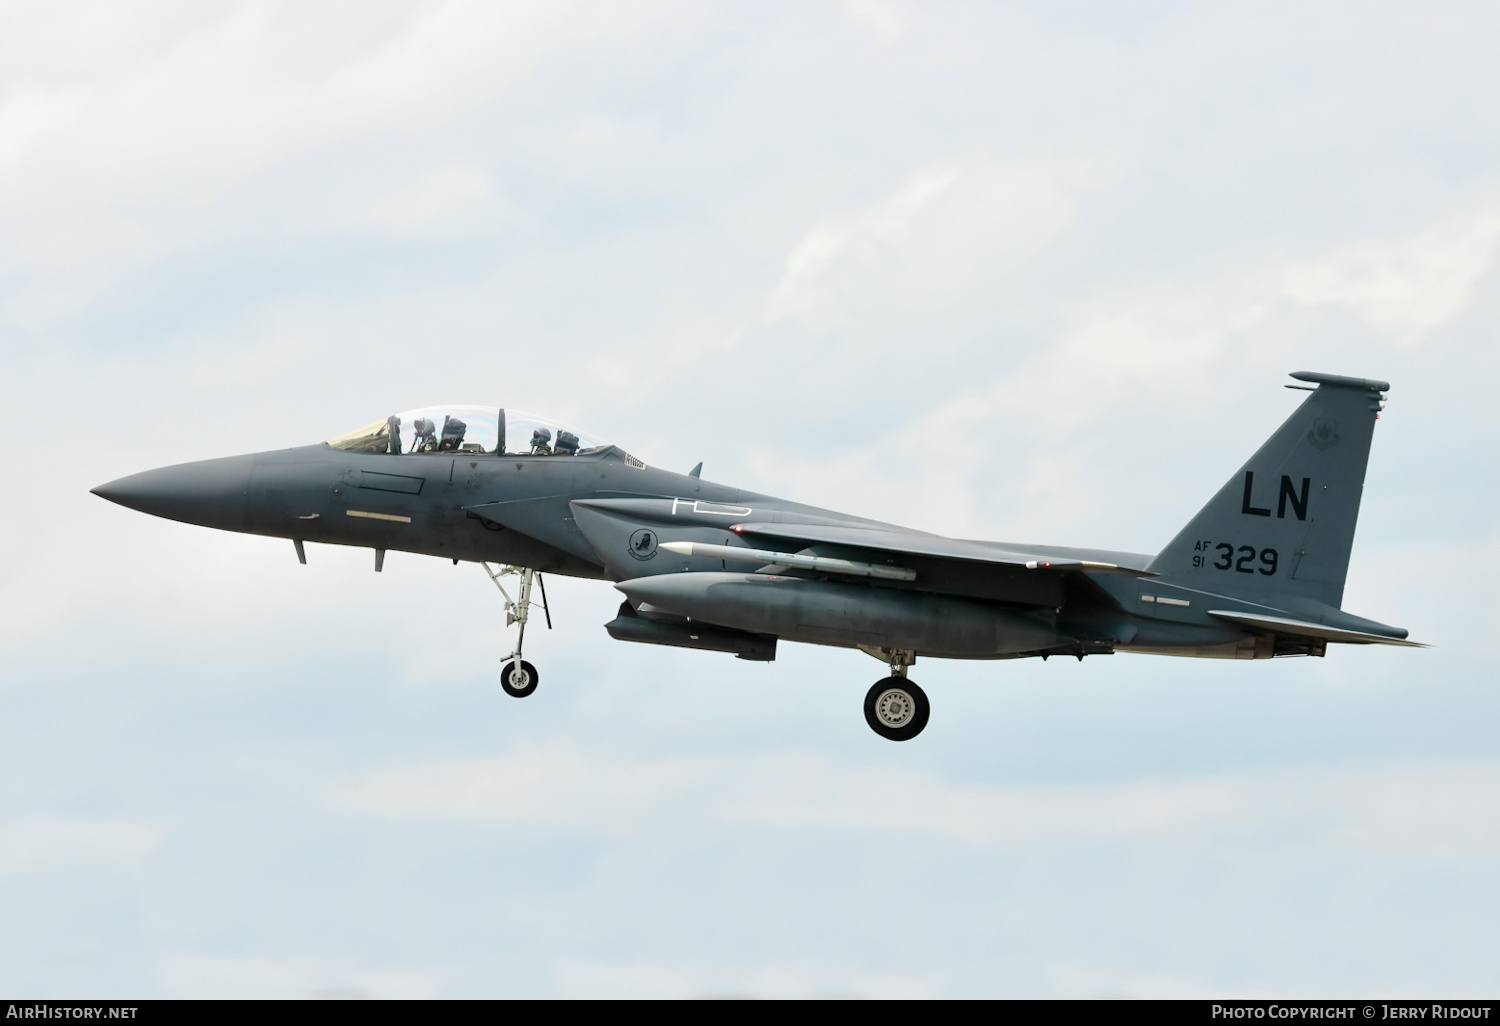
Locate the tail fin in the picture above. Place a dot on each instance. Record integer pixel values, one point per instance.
(1283, 526)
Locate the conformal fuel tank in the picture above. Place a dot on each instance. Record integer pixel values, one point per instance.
(843, 614)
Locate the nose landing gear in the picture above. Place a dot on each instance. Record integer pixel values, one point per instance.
(895, 708)
(519, 678)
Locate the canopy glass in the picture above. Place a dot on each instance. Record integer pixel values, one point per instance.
(468, 429)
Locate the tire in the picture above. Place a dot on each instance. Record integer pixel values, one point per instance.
(896, 709)
(519, 681)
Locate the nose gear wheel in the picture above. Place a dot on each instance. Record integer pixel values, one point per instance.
(519, 678)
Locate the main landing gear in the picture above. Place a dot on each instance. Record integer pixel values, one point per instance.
(895, 708)
(519, 678)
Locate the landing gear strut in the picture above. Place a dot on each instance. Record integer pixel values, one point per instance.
(519, 678)
(895, 708)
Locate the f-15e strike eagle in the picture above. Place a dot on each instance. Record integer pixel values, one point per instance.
(1258, 573)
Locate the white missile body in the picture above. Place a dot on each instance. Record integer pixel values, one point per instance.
(797, 559)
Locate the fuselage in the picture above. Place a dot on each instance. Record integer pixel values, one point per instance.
(577, 515)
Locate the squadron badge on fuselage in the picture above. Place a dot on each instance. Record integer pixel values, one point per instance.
(643, 544)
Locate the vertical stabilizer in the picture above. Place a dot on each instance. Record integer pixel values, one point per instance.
(1281, 529)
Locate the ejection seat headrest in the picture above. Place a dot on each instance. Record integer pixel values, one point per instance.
(453, 434)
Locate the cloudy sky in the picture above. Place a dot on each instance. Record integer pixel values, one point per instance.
(1029, 272)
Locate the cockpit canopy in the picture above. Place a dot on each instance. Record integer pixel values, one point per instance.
(468, 429)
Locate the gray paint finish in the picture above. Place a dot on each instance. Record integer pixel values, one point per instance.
(1259, 572)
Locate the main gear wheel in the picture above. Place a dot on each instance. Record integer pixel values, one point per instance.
(896, 709)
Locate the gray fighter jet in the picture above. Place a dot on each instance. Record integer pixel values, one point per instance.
(1258, 573)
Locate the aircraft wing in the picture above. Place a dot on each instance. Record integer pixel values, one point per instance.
(914, 543)
(1281, 625)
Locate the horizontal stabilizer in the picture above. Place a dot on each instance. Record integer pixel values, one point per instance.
(916, 543)
(1280, 625)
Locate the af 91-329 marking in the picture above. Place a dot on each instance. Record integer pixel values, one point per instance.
(1239, 559)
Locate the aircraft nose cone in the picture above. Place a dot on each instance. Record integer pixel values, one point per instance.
(210, 493)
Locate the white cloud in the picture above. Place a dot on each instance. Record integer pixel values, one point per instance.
(225, 125)
(1436, 809)
(1404, 286)
(258, 84)
(937, 246)
(187, 976)
(55, 843)
(1181, 338)
(554, 787)
(884, 20)
(592, 979)
(450, 201)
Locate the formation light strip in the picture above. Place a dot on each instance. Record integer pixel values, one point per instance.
(395, 519)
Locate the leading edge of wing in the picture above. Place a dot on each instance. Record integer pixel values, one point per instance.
(932, 545)
(1282, 625)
